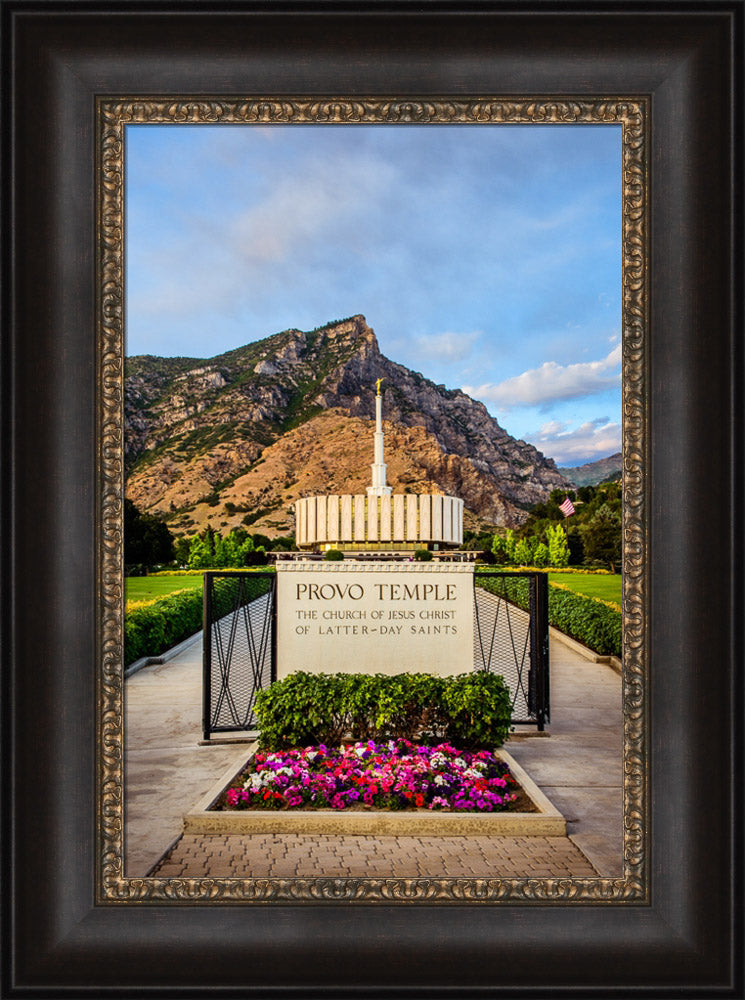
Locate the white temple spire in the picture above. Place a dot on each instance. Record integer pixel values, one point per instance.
(378, 488)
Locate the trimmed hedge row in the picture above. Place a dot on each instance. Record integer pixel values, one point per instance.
(590, 622)
(155, 628)
(469, 710)
(151, 630)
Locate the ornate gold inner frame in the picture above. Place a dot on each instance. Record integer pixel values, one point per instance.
(112, 117)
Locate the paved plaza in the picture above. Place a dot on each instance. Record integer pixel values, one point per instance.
(578, 765)
(300, 855)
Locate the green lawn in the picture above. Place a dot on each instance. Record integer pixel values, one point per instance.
(606, 587)
(147, 588)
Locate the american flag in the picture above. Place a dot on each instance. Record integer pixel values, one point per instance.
(567, 507)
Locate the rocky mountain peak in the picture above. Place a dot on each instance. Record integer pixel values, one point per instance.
(195, 427)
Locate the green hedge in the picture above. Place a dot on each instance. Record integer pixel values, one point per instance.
(151, 630)
(470, 710)
(588, 621)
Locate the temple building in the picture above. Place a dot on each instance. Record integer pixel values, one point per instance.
(380, 521)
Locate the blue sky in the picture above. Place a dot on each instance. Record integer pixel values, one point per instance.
(486, 257)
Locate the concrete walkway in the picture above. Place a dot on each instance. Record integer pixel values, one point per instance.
(579, 767)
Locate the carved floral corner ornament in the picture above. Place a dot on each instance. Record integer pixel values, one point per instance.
(113, 115)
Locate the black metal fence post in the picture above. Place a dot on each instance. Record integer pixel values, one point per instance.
(541, 609)
(206, 655)
(538, 680)
(273, 598)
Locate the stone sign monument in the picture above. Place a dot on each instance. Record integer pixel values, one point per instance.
(387, 618)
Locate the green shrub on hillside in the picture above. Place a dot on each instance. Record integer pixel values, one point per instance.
(470, 710)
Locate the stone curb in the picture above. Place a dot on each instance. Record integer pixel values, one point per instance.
(546, 822)
(151, 661)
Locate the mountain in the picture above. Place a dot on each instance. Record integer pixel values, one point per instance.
(604, 470)
(237, 438)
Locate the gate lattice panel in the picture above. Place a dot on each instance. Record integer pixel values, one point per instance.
(239, 647)
(510, 638)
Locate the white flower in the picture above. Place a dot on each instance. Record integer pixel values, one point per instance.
(459, 762)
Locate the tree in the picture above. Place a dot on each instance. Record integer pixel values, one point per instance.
(541, 555)
(201, 555)
(558, 496)
(147, 540)
(523, 552)
(509, 546)
(558, 548)
(181, 550)
(576, 546)
(602, 536)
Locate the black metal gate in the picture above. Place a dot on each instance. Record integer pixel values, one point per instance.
(511, 638)
(239, 647)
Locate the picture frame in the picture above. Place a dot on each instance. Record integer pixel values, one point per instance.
(684, 934)
(627, 879)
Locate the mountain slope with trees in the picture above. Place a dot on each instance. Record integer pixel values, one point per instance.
(233, 440)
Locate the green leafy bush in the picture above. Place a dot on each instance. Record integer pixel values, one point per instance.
(470, 710)
(422, 555)
(334, 555)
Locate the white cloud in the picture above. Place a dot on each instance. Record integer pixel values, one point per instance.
(552, 383)
(592, 440)
(302, 231)
(446, 346)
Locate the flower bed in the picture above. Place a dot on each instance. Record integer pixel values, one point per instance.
(393, 775)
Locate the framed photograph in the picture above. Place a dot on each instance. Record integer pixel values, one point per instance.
(668, 919)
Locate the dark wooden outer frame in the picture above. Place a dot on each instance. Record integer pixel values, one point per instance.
(61, 58)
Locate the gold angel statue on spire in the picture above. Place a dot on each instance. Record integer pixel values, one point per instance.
(377, 385)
